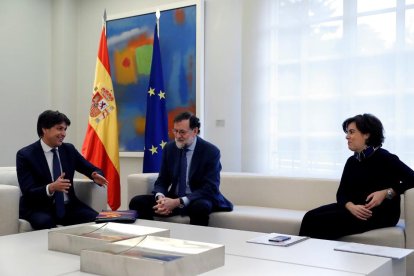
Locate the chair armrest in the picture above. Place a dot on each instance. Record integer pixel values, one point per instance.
(140, 184)
(91, 194)
(9, 209)
(409, 218)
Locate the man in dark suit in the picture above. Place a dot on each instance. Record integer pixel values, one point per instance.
(191, 189)
(45, 171)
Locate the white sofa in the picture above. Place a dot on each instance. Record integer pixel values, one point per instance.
(278, 204)
(91, 194)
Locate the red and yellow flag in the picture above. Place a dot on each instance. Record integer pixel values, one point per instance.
(100, 146)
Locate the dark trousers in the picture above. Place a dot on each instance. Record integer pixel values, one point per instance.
(198, 210)
(333, 221)
(75, 212)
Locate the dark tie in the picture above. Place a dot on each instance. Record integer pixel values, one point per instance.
(59, 201)
(182, 185)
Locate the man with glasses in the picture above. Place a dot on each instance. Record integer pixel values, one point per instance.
(189, 178)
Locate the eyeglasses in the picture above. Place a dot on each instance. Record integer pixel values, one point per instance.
(180, 131)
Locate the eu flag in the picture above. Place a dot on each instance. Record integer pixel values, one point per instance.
(156, 126)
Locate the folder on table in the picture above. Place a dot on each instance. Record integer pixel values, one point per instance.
(124, 216)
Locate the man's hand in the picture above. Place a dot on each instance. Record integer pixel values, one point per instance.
(375, 199)
(99, 179)
(359, 211)
(61, 184)
(166, 205)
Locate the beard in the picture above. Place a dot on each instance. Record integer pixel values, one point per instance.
(184, 143)
(179, 144)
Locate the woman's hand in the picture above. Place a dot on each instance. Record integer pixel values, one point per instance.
(359, 211)
(375, 199)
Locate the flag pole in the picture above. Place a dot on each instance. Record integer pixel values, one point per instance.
(158, 15)
(104, 20)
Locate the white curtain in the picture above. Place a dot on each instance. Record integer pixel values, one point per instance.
(310, 64)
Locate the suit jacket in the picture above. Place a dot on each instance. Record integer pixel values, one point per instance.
(33, 174)
(203, 176)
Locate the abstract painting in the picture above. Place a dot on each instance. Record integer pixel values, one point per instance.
(130, 42)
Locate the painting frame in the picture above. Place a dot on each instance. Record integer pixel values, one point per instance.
(198, 5)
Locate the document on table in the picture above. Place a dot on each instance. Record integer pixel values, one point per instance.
(375, 250)
(265, 239)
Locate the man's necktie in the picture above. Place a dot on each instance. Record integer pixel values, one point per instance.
(59, 201)
(182, 185)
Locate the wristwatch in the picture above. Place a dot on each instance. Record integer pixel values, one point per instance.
(181, 203)
(390, 194)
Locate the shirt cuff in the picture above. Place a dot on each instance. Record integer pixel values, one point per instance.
(185, 200)
(47, 191)
(159, 194)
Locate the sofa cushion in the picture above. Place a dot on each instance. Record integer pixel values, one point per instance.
(9, 209)
(8, 176)
(90, 193)
(259, 219)
(24, 226)
(395, 236)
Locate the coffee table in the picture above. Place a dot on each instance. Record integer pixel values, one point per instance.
(27, 254)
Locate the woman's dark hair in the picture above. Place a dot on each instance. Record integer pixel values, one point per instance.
(48, 119)
(194, 121)
(367, 124)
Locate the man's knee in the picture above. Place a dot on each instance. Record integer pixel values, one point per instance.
(143, 204)
(200, 207)
(139, 201)
(42, 222)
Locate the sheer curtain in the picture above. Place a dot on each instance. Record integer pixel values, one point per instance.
(320, 62)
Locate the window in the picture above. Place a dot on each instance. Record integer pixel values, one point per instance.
(333, 59)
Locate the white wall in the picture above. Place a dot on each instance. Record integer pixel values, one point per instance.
(48, 53)
(25, 72)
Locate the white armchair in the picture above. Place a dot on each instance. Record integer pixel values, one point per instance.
(91, 194)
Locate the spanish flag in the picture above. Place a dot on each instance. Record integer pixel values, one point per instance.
(100, 146)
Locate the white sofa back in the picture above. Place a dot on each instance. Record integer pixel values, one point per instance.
(261, 190)
(8, 176)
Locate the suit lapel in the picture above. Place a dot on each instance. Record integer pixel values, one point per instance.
(42, 160)
(63, 160)
(195, 160)
(177, 154)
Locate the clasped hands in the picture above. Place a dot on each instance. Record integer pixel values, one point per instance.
(165, 205)
(364, 212)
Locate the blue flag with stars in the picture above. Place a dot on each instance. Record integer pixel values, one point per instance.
(156, 125)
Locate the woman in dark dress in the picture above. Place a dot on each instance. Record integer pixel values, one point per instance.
(368, 196)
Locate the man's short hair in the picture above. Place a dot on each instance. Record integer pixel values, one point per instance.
(49, 118)
(186, 115)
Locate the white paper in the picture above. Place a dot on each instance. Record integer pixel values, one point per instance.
(265, 239)
(375, 250)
